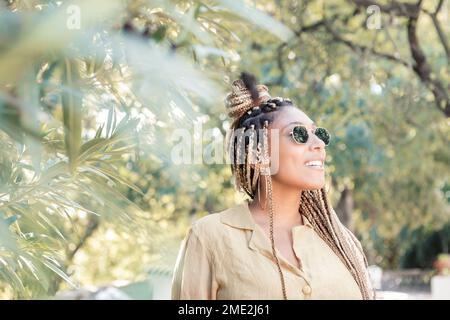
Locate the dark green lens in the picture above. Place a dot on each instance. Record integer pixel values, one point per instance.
(300, 134)
(323, 135)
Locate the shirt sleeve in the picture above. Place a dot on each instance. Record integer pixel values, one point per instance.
(193, 276)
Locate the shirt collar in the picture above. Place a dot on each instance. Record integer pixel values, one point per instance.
(241, 217)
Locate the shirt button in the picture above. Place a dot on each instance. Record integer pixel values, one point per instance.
(306, 290)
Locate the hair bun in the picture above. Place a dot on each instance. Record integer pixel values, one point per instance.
(245, 94)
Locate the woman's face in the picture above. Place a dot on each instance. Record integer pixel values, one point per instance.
(292, 167)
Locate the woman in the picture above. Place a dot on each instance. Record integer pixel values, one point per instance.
(278, 156)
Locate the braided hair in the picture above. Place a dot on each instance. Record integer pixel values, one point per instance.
(252, 109)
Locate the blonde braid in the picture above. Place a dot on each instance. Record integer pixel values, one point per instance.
(268, 179)
(338, 238)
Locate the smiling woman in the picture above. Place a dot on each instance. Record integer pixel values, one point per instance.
(232, 254)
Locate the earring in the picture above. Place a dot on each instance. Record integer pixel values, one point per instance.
(266, 195)
(266, 161)
(255, 174)
(238, 161)
(265, 150)
(250, 159)
(259, 192)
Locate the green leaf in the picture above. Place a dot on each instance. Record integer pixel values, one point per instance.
(160, 33)
(114, 175)
(7, 240)
(98, 133)
(72, 104)
(60, 273)
(259, 18)
(10, 220)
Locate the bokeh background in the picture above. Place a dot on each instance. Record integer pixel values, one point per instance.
(91, 92)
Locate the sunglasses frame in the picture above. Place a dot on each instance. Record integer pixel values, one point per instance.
(307, 138)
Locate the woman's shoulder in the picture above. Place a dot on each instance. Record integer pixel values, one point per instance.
(214, 223)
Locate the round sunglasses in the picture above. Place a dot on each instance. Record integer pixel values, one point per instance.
(300, 134)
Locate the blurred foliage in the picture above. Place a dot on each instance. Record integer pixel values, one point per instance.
(88, 190)
(389, 146)
(426, 246)
(90, 93)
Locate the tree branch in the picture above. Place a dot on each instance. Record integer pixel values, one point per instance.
(440, 32)
(421, 66)
(359, 47)
(92, 225)
(397, 8)
(308, 28)
(423, 69)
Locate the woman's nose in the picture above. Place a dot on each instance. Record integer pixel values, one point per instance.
(316, 142)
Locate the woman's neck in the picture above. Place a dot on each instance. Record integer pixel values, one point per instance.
(286, 201)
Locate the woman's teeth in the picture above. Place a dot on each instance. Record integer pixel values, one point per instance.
(314, 164)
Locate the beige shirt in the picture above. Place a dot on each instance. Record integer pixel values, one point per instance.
(227, 256)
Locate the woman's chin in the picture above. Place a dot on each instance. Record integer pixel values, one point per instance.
(314, 184)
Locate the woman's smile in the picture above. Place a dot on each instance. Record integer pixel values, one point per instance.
(315, 164)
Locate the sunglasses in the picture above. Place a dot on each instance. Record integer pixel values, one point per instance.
(300, 134)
